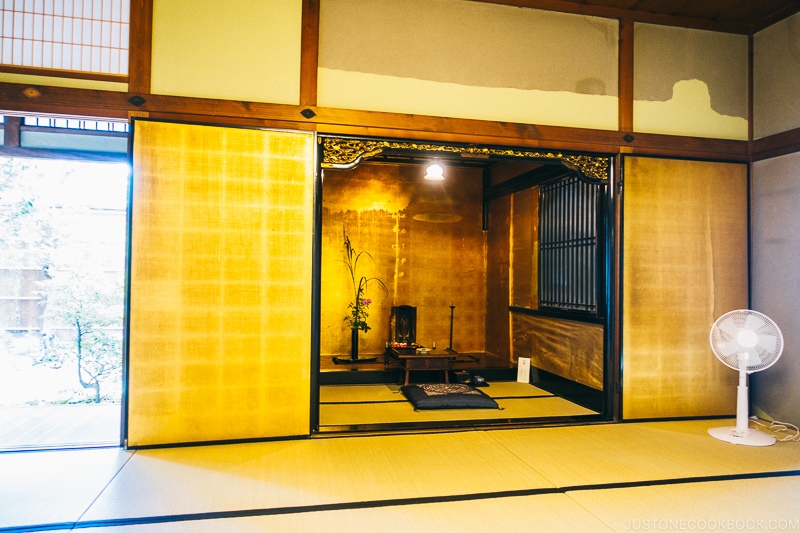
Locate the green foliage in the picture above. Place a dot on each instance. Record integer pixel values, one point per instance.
(82, 303)
(25, 235)
(359, 307)
(81, 309)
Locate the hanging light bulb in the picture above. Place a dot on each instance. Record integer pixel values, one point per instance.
(434, 172)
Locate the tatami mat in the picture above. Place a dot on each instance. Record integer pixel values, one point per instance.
(602, 477)
(507, 389)
(398, 413)
(389, 393)
(360, 393)
(311, 472)
(588, 455)
(545, 513)
(349, 405)
(739, 505)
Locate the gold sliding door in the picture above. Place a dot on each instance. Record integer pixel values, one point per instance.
(220, 284)
(685, 264)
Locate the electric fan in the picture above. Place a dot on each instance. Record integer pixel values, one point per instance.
(747, 341)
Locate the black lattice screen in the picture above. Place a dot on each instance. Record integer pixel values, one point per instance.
(568, 245)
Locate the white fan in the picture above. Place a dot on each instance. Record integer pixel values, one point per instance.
(747, 341)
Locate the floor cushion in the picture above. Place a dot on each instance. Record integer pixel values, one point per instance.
(447, 396)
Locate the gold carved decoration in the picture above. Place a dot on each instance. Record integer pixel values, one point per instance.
(347, 153)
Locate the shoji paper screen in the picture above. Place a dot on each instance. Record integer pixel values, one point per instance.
(220, 287)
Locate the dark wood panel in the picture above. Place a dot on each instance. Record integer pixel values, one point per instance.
(735, 16)
(776, 145)
(730, 26)
(665, 7)
(11, 131)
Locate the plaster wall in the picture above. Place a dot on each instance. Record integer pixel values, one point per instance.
(776, 281)
(463, 59)
(204, 48)
(690, 82)
(776, 76)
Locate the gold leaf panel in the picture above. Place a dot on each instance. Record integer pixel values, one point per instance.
(220, 288)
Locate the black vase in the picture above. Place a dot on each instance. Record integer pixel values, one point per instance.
(354, 344)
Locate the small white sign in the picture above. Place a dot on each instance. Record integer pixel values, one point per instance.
(524, 370)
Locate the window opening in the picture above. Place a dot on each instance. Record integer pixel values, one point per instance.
(63, 231)
(77, 124)
(79, 35)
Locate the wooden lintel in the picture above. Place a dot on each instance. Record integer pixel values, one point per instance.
(776, 145)
(60, 101)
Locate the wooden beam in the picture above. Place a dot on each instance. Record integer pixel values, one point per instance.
(625, 93)
(70, 74)
(750, 77)
(11, 130)
(140, 46)
(785, 13)
(63, 101)
(626, 14)
(776, 145)
(309, 53)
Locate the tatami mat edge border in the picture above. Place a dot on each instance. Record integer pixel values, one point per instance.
(244, 513)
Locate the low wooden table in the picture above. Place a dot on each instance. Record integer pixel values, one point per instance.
(428, 361)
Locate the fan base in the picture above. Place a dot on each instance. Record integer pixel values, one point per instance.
(748, 437)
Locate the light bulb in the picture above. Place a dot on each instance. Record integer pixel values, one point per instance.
(434, 173)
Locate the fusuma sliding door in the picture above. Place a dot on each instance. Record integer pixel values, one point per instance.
(685, 264)
(220, 284)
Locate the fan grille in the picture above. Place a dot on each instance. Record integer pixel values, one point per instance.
(745, 336)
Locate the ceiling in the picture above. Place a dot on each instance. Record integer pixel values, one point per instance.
(740, 16)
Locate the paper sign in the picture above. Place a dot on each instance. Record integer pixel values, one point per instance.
(524, 370)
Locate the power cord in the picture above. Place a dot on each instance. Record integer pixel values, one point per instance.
(779, 427)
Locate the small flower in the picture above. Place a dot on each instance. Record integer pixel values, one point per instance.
(358, 307)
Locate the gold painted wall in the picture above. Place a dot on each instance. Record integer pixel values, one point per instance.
(690, 82)
(220, 284)
(456, 58)
(249, 50)
(524, 270)
(570, 349)
(498, 272)
(685, 264)
(566, 348)
(776, 76)
(423, 264)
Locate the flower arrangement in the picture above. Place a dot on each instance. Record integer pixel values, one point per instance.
(359, 307)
